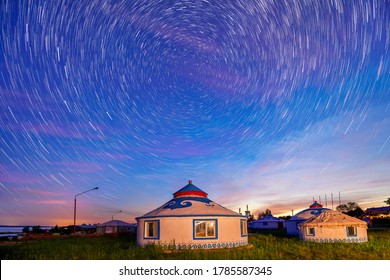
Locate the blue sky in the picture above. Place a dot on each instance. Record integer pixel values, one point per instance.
(259, 103)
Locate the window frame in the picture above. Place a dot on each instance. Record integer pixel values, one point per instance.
(354, 231)
(308, 231)
(242, 227)
(157, 236)
(195, 221)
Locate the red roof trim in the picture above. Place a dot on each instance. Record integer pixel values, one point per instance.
(189, 193)
(316, 205)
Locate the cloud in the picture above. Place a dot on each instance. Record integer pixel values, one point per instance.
(47, 201)
(80, 166)
(336, 154)
(17, 177)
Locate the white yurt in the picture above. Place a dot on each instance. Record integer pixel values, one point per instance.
(115, 227)
(292, 224)
(268, 222)
(192, 221)
(332, 226)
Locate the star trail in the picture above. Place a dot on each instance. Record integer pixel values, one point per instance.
(266, 103)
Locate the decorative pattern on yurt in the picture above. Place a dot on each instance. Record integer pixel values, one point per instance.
(192, 221)
(332, 226)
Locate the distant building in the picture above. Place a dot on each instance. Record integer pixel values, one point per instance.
(116, 227)
(292, 224)
(378, 211)
(268, 222)
(88, 229)
(332, 226)
(192, 221)
(378, 216)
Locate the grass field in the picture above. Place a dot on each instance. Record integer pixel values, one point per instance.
(266, 246)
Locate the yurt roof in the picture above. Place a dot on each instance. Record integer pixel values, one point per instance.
(315, 205)
(269, 218)
(190, 201)
(333, 218)
(190, 190)
(114, 223)
(307, 213)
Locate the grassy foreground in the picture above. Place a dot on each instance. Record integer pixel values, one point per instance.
(266, 246)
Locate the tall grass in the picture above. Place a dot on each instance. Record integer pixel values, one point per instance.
(266, 246)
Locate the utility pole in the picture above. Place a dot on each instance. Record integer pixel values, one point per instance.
(74, 210)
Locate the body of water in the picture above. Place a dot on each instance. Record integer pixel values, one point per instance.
(17, 229)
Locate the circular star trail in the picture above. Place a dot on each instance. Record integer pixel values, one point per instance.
(248, 98)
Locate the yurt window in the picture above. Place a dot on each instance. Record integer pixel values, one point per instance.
(152, 229)
(205, 229)
(244, 228)
(351, 231)
(310, 231)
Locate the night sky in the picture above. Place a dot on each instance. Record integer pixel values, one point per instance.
(265, 103)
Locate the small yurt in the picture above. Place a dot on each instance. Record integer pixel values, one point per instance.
(292, 224)
(192, 221)
(333, 226)
(115, 227)
(268, 222)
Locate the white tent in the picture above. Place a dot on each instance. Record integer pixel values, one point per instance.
(267, 222)
(332, 226)
(190, 220)
(115, 227)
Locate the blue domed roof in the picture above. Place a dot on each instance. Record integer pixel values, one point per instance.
(307, 213)
(190, 190)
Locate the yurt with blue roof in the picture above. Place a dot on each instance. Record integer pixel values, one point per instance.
(190, 220)
(314, 210)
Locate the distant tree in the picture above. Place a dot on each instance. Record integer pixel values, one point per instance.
(358, 212)
(288, 217)
(37, 229)
(26, 229)
(387, 201)
(351, 209)
(68, 229)
(347, 207)
(263, 214)
(55, 229)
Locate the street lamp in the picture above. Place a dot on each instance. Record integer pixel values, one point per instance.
(74, 212)
(112, 217)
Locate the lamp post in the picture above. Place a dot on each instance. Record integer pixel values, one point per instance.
(112, 217)
(74, 211)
